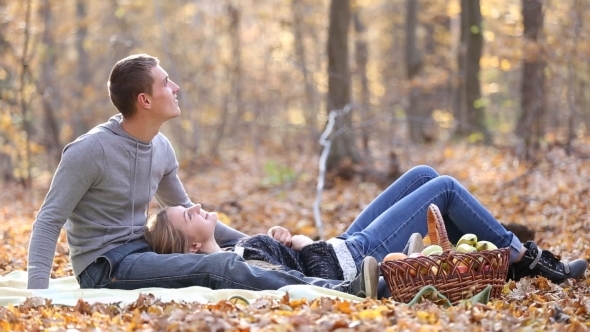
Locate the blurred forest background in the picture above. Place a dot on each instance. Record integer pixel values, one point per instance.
(495, 93)
(390, 84)
(264, 74)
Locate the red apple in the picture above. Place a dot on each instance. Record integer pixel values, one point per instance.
(462, 269)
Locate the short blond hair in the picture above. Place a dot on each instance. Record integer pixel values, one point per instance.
(163, 237)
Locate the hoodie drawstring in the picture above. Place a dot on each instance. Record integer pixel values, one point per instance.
(133, 187)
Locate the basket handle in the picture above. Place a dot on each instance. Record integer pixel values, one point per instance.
(436, 228)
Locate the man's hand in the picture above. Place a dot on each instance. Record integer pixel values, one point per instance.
(280, 234)
(300, 241)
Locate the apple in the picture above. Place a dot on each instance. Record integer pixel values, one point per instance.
(470, 239)
(466, 248)
(485, 245)
(462, 269)
(432, 249)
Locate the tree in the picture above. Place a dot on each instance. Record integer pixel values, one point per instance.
(83, 69)
(343, 152)
(361, 58)
(301, 54)
(48, 87)
(469, 106)
(414, 62)
(530, 124)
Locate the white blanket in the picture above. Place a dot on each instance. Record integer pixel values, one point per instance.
(66, 291)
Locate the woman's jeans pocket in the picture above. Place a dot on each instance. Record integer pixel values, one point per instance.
(97, 274)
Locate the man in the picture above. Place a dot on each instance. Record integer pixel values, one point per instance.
(103, 186)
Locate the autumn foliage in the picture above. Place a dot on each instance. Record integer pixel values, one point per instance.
(551, 196)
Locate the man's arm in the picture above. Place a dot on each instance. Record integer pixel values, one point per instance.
(74, 175)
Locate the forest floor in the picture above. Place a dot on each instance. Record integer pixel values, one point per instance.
(253, 191)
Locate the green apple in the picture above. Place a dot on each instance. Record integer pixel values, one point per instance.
(470, 239)
(485, 245)
(465, 248)
(432, 249)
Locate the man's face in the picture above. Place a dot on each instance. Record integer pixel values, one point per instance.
(163, 97)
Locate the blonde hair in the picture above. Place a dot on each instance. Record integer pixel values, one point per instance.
(163, 237)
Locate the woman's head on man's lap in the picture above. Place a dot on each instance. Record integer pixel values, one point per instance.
(163, 237)
(180, 230)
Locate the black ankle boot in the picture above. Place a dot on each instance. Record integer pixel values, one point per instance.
(537, 262)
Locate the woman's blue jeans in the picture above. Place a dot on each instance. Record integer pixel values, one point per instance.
(386, 224)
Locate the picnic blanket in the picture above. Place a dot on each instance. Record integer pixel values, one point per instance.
(66, 291)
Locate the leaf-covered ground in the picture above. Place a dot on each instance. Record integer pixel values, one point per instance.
(254, 191)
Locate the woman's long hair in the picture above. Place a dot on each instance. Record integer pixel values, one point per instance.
(163, 237)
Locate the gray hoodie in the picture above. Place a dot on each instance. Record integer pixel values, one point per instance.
(101, 191)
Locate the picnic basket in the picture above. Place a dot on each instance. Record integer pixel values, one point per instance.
(405, 277)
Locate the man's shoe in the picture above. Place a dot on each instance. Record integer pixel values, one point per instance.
(367, 281)
(415, 244)
(537, 262)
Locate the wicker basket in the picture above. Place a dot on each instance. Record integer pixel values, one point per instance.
(406, 277)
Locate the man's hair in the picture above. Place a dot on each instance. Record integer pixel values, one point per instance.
(130, 77)
(163, 237)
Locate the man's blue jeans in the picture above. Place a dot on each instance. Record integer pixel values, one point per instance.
(134, 265)
(386, 224)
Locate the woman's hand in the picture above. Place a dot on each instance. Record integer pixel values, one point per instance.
(300, 241)
(280, 234)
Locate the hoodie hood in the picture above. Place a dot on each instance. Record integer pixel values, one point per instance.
(114, 125)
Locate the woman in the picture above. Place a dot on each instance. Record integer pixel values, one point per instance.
(179, 230)
(389, 221)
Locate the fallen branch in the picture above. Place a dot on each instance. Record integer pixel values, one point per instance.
(326, 142)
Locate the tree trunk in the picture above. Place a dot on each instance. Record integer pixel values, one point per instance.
(310, 112)
(235, 17)
(233, 99)
(471, 111)
(83, 74)
(361, 59)
(577, 19)
(51, 94)
(24, 103)
(8, 81)
(417, 114)
(530, 124)
(343, 152)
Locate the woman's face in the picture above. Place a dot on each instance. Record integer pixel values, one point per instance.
(197, 224)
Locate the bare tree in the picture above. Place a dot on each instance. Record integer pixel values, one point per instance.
(83, 69)
(310, 112)
(343, 153)
(24, 103)
(577, 18)
(361, 60)
(530, 125)
(414, 63)
(234, 97)
(235, 17)
(469, 106)
(49, 87)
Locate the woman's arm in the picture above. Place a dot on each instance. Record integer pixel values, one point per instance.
(319, 260)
